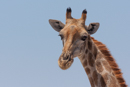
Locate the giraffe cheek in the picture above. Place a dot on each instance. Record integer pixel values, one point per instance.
(76, 52)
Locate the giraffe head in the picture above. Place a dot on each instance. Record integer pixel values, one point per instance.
(74, 34)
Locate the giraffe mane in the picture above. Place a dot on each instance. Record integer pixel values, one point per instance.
(111, 62)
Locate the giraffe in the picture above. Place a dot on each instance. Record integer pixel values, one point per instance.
(99, 65)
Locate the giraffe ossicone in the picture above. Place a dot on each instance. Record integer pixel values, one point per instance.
(98, 63)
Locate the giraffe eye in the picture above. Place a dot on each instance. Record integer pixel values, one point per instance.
(61, 36)
(83, 38)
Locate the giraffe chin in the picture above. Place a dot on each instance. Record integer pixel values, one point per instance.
(65, 64)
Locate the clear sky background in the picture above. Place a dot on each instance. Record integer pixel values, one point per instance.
(30, 48)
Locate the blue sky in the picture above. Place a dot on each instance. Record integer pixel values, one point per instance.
(30, 48)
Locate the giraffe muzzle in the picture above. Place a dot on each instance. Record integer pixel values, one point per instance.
(65, 61)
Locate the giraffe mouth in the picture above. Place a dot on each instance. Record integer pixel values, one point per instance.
(69, 59)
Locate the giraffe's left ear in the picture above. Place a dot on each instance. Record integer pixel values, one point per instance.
(56, 24)
(92, 28)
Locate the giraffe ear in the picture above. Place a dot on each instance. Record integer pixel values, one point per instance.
(92, 28)
(56, 24)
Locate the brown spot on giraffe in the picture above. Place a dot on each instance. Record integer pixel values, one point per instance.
(86, 51)
(87, 71)
(95, 77)
(99, 66)
(89, 45)
(85, 63)
(102, 82)
(95, 52)
(91, 81)
(90, 59)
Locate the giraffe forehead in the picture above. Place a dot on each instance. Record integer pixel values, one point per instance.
(70, 21)
(74, 21)
(74, 29)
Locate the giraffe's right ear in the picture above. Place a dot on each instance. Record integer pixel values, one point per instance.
(56, 24)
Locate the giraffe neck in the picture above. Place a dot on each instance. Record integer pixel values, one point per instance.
(96, 66)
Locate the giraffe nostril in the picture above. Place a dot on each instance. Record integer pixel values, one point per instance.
(66, 58)
(69, 59)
